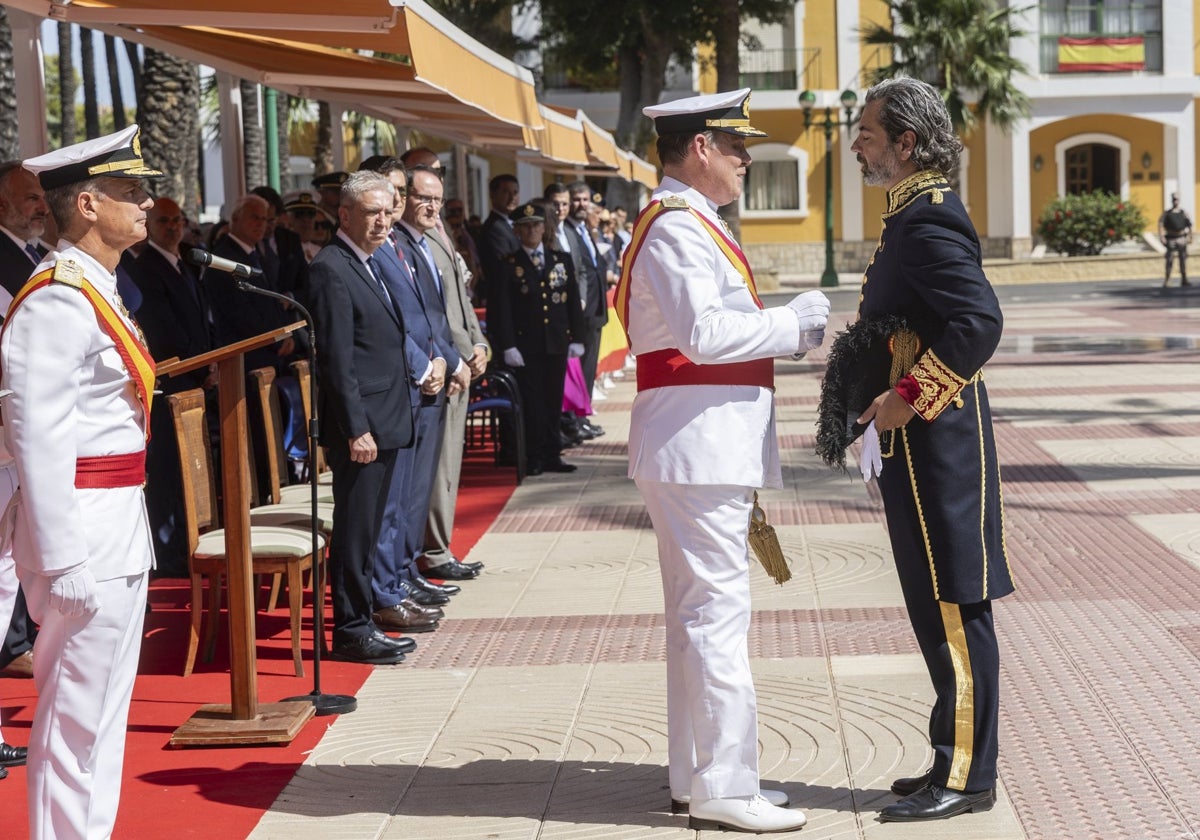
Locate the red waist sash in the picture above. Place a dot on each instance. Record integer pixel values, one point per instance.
(665, 368)
(107, 471)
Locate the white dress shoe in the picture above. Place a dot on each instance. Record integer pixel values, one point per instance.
(750, 813)
(680, 801)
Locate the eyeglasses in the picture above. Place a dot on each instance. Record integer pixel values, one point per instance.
(427, 199)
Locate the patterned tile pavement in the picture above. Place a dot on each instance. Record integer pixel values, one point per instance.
(537, 711)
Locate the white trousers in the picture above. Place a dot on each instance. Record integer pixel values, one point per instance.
(8, 568)
(712, 719)
(84, 672)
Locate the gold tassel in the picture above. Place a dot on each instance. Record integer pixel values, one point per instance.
(904, 344)
(766, 545)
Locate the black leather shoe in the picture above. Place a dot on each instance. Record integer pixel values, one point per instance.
(560, 466)
(403, 644)
(421, 582)
(400, 619)
(452, 570)
(12, 756)
(911, 784)
(477, 566)
(425, 599)
(368, 650)
(592, 429)
(937, 803)
(3, 773)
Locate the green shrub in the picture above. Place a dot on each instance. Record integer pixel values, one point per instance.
(1081, 225)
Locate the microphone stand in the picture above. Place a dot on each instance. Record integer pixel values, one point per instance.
(324, 704)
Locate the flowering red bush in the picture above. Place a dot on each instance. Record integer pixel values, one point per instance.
(1083, 224)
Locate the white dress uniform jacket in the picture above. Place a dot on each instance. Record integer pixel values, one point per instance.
(685, 294)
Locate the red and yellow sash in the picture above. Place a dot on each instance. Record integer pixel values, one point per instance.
(642, 226)
(138, 361)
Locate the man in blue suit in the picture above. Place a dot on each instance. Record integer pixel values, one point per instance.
(404, 599)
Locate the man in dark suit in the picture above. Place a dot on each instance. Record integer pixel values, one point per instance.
(418, 293)
(535, 319)
(23, 213)
(593, 285)
(243, 314)
(497, 240)
(176, 318)
(365, 405)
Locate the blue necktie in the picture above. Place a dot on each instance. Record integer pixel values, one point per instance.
(437, 279)
(33, 253)
(582, 230)
(373, 268)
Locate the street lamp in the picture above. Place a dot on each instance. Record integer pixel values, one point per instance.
(808, 99)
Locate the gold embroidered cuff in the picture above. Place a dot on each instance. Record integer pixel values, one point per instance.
(938, 386)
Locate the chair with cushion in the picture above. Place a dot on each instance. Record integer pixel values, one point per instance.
(274, 550)
(493, 395)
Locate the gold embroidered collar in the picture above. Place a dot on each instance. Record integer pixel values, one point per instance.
(925, 181)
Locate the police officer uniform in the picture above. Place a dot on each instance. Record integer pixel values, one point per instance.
(534, 307)
(940, 479)
(76, 425)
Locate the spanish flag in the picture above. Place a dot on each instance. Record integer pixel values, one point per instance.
(1101, 55)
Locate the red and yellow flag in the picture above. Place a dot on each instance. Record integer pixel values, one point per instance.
(1101, 54)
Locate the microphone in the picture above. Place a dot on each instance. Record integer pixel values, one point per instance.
(198, 256)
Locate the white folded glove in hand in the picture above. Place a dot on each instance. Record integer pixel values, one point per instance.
(513, 357)
(812, 339)
(74, 593)
(574, 350)
(871, 462)
(812, 309)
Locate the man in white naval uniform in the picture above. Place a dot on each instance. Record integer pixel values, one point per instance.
(76, 423)
(702, 439)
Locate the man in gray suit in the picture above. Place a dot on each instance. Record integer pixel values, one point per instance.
(437, 561)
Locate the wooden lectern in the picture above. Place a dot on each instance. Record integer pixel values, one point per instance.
(244, 720)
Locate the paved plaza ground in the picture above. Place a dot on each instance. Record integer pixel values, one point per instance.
(538, 709)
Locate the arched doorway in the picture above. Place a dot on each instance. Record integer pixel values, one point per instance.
(1093, 166)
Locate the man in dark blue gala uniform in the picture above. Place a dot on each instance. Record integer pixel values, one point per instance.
(939, 479)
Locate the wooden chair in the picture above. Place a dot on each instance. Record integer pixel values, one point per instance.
(304, 377)
(274, 550)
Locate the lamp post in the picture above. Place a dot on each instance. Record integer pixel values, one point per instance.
(808, 99)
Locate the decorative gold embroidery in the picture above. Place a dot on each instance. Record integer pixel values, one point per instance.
(920, 183)
(912, 478)
(982, 488)
(904, 346)
(938, 383)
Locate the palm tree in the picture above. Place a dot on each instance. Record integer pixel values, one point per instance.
(66, 84)
(254, 146)
(91, 106)
(114, 83)
(168, 113)
(323, 145)
(960, 47)
(283, 112)
(9, 141)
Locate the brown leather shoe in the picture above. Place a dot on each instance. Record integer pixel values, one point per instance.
(21, 667)
(428, 612)
(403, 620)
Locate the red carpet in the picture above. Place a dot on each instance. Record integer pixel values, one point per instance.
(220, 792)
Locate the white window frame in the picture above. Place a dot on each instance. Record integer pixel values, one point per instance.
(766, 152)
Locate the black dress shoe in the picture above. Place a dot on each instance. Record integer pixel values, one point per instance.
(403, 644)
(934, 802)
(533, 468)
(12, 756)
(451, 570)
(400, 619)
(911, 784)
(425, 599)
(592, 429)
(3, 773)
(368, 650)
(560, 466)
(422, 582)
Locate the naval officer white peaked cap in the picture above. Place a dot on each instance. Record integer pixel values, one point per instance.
(117, 155)
(726, 112)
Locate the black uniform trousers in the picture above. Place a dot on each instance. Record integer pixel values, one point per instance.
(541, 383)
(958, 642)
(360, 494)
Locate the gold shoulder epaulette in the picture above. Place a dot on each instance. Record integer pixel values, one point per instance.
(69, 272)
(674, 202)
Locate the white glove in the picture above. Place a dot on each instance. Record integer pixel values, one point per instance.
(871, 462)
(574, 350)
(513, 357)
(74, 594)
(812, 308)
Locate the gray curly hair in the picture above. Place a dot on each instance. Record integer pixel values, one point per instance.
(907, 104)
